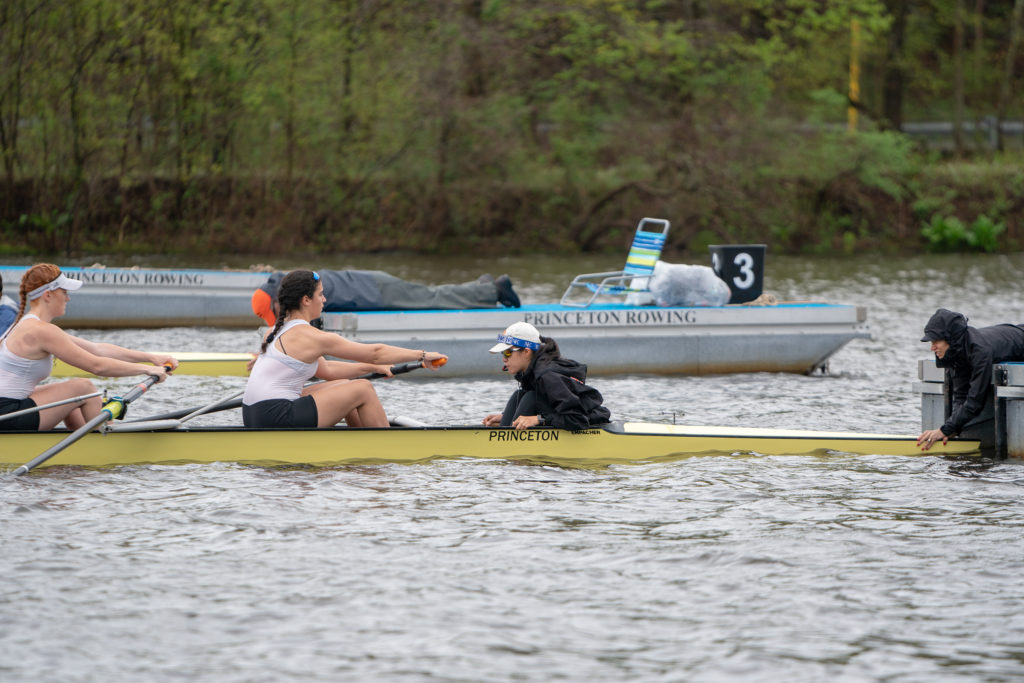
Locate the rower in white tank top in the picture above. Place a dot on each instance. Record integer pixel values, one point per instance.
(276, 375)
(19, 376)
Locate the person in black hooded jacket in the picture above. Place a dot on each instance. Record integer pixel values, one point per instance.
(970, 353)
(552, 389)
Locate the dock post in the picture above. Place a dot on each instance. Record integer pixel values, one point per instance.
(1010, 393)
(933, 403)
(999, 382)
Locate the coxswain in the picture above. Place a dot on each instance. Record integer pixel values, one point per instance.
(552, 390)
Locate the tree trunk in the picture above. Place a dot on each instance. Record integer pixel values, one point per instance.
(958, 78)
(1006, 87)
(892, 89)
(979, 43)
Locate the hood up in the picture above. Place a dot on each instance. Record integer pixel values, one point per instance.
(950, 327)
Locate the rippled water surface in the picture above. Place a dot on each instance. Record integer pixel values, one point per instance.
(705, 569)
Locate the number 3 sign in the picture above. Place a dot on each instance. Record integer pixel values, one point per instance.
(741, 266)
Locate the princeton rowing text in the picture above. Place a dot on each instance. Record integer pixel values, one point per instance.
(589, 318)
(142, 277)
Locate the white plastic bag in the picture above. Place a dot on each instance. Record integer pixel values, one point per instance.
(679, 284)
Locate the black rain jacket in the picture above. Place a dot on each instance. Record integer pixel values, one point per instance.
(971, 355)
(564, 400)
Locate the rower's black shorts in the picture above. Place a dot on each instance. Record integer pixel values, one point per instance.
(280, 412)
(12, 405)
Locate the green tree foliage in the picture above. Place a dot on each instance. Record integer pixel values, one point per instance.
(946, 233)
(379, 124)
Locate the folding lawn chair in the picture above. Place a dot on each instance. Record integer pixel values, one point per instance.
(647, 245)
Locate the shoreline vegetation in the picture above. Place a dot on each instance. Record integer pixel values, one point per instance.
(946, 206)
(499, 126)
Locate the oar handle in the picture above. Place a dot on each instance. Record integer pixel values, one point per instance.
(140, 388)
(402, 368)
(116, 407)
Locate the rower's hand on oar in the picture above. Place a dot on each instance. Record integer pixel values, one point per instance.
(161, 372)
(384, 370)
(168, 361)
(433, 360)
(929, 437)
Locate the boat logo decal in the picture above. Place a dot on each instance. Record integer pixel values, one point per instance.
(142, 277)
(585, 318)
(523, 435)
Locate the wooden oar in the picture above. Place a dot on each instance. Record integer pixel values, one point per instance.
(112, 409)
(235, 401)
(66, 401)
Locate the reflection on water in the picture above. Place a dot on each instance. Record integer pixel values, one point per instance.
(716, 568)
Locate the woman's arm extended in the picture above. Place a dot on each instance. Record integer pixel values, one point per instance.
(331, 344)
(66, 347)
(105, 350)
(336, 369)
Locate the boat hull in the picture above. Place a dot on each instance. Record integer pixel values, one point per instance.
(147, 298)
(618, 443)
(611, 338)
(619, 339)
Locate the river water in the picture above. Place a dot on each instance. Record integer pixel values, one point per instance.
(713, 568)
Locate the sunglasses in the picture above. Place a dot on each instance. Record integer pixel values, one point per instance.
(507, 353)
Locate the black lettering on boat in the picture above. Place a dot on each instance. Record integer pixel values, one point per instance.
(577, 318)
(103, 277)
(525, 435)
(174, 279)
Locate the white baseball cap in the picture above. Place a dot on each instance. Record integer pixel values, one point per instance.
(520, 334)
(62, 282)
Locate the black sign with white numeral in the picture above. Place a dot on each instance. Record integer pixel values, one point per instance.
(741, 266)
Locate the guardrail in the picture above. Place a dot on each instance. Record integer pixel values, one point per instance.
(982, 132)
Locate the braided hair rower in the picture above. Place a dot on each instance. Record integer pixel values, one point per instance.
(294, 351)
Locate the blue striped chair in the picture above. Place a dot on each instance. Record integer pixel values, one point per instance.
(645, 252)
